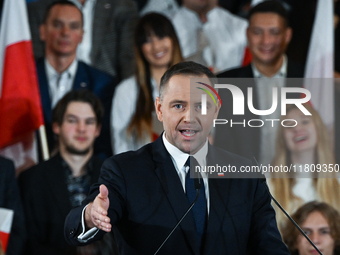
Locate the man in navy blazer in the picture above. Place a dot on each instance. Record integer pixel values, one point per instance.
(142, 194)
(268, 36)
(59, 71)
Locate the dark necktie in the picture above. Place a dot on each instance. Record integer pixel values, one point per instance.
(200, 208)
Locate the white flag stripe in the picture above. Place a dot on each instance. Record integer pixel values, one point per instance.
(320, 64)
(320, 54)
(6, 218)
(14, 27)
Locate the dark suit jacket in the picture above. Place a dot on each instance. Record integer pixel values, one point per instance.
(10, 199)
(112, 35)
(293, 71)
(46, 203)
(245, 141)
(147, 200)
(100, 83)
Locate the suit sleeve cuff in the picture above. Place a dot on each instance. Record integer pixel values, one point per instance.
(86, 236)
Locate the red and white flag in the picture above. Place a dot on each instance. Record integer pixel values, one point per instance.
(320, 66)
(6, 219)
(20, 105)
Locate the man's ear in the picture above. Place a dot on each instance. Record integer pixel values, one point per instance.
(56, 128)
(289, 34)
(158, 106)
(42, 32)
(98, 129)
(82, 35)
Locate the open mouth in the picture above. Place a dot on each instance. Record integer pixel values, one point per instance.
(300, 139)
(313, 251)
(188, 133)
(160, 54)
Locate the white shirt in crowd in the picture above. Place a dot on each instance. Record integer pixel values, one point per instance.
(167, 8)
(123, 108)
(221, 40)
(268, 131)
(60, 84)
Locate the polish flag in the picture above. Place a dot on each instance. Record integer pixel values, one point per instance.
(319, 66)
(20, 106)
(6, 218)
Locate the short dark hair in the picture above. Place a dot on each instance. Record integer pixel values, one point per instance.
(78, 95)
(273, 6)
(60, 2)
(184, 68)
(290, 232)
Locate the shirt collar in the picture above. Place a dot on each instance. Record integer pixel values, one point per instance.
(79, 5)
(71, 70)
(192, 14)
(89, 168)
(282, 73)
(180, 157)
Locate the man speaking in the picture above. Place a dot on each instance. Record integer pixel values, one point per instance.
(141, 195)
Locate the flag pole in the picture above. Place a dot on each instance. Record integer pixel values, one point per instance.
(43, 142)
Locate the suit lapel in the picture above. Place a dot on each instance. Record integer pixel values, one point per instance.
(254, 133)
(251, 135)
(219, 192)
(81, 80)
(248, 72)
(173, 189)
(55, 179)
(294, 70)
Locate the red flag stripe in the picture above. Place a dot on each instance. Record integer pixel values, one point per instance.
(20, 106)
(4, 240)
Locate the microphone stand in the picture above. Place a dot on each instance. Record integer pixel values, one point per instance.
(197, 183)
(263, 180)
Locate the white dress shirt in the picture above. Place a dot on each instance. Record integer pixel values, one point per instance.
(221, 40)
(123, 108)
(179, 158)
(60, 83)
(168, 8)
(304, 187)
(265, 87)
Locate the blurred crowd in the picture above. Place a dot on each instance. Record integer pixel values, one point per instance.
(99, 64)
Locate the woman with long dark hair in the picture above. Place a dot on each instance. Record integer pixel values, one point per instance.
(133, 119)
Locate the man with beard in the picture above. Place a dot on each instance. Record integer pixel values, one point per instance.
(50, 189)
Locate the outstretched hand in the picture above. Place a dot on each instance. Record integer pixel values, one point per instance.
(96, 212)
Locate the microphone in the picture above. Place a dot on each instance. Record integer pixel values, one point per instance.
(264, 181)
(197, 185)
